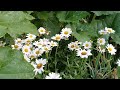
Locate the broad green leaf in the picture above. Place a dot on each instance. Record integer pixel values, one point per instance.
(109, 20)
(29, 12)
(84, 32)
(16, 23)
(44, 15)
(82, 37)
(113, 21)
(52, 25)
(116, 27)
(118, 72)
(13, 65)
(71, 16)
(3, 31)
(14, 16)
(99, 13)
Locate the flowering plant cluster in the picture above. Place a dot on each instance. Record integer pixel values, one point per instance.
(34, 47)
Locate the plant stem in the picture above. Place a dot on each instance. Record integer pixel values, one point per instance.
(55, 58)
(94, 16)
(47, 60)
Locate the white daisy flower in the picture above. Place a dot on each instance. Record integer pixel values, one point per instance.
(38, 52)
(53, 44)
(47, 48)
(109, 30)
(53, 76)
(84, 53)
(18, 41)
(118, 62)
(38, 44)
(111, 49)
(16, 46)
(77, 43)
(27, 40)
(32, 55)
(100, 49)
(41, 30)
(39, 65)
(31, 36)
(26, 50)
(57, 37)
(102, 32)
(44, 42)
(30, 45)
(66, 32)
(26, 57)
(87, 45)
(72, 46)
(101, 41)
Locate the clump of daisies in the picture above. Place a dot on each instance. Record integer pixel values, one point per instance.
(82, 49)
(101, 42)
(34, 47)
(106, 31)
(64, 34)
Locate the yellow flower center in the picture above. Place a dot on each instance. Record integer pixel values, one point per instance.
(28, 41)
(32, 56)
(26, 50)
(46, 49)
(19, 41)
(41, 30)
(39, 65)
(27, 44)
(37, 52)
(57, 37)
(101, 41)
(83, 53)
(87, 45)
(52, 44)
(16, 46)
(109, 30)
(110, 49)
(72, 46)
(31, 36)
(66, 32)
(76, 47)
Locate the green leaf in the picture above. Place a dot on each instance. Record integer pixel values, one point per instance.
(116, 27)
(52, 25)
(113, 21)
(71, 16)
(14, 16)
(99, 13)
(13, 65)
(84, 32)
(109, 20)
(118, 72)
(44, 15)
(16, 23)
(3, 31)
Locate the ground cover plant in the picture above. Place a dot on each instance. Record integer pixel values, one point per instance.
(59, 44)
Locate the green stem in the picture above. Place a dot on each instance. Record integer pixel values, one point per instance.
(55, 58)
(94, 16)
(97, 63)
